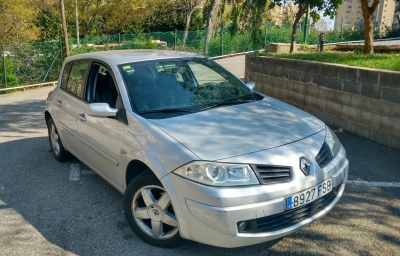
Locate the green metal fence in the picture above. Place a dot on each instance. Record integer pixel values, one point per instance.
(40, 62)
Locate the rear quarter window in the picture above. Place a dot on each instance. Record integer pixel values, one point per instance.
(77, 77)
(65, 75)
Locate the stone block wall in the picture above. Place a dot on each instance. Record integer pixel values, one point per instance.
(362, 101)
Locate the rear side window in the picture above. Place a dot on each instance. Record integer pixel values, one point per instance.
(65, 75)
(77, 77)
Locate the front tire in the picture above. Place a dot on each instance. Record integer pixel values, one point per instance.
(149, 211)
(59, 152)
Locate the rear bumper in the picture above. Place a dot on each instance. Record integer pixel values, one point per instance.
(217, 225)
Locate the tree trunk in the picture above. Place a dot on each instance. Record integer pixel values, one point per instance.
(293, 39)
(368, 34)
(368, 25)
(89, 26)
(299, 14)
(188, 16)
(64, 26)
(210, 24)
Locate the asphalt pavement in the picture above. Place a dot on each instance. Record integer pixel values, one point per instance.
(52, 208)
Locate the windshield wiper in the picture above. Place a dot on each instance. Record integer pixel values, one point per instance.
(224, 103)
(166, 110)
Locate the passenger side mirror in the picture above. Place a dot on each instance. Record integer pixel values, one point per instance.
(101, 110)
(251, 85)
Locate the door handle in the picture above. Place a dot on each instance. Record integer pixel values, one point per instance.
(82, 117)
(59, 103)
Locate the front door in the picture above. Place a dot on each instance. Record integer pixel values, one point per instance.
(100, 137)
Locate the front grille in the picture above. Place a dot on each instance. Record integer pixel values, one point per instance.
(288, 218)
(324, 156)
(268, 174)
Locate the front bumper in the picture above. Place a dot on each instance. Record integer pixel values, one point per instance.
(210, 214)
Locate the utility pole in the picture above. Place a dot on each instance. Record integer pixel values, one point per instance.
(64, 25)
(77, 24)
(306, 25)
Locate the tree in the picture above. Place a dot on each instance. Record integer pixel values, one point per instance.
(210, 14)
(368, 11)
(49, 23)
(168, 18)
(252, 13)
(16, 22)
(89, 15)
(327, 7)
(188, 7)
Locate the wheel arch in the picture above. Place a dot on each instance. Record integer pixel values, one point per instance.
(133, 169)
(47, 116)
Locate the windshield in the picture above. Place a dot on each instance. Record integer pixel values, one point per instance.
(184, 85)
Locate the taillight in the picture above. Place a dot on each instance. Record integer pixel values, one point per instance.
(48, 96)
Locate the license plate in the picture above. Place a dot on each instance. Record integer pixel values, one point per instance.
(308, 195)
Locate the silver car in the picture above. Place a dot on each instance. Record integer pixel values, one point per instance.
(196, 152)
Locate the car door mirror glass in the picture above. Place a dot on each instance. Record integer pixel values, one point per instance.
(251, 85)
(101, 110)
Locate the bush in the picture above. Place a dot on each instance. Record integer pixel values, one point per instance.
(12, 79)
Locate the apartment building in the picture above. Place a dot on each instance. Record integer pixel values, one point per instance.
(284, 12)
(349, 15)
(396, 17)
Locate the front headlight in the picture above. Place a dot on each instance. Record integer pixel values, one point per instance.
(332, 140)
(218, 174)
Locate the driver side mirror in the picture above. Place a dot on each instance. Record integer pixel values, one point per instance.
(101, 110)
(251, 85)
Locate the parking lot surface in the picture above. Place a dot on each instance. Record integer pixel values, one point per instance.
(52, 208)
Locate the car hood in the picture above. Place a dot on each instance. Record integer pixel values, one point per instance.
(229, 131)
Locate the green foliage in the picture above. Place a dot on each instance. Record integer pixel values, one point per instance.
(12, 79)
(49, 23)
(391, 32)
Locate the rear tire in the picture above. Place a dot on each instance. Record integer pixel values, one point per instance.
(149, 211)
(59, 152)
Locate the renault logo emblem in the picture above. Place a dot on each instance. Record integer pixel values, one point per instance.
(305, 166)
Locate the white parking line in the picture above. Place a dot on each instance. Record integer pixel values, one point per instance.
(374, 184)
(84, 172)
(75, 172)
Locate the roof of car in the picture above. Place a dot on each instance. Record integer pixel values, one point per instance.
(126, 56)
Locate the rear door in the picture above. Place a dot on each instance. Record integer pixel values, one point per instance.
(68, 98)
(100, 137)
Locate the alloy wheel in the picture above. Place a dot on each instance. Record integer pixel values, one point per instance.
(153, 212)
(55, 142)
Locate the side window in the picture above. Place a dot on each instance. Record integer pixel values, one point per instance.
(65, 75)
(101, 86)
(77, 77)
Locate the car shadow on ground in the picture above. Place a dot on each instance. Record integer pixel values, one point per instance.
(85, 216)
(22, 117)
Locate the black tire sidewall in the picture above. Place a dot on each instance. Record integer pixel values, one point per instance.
(143, 179)
(63, 154)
